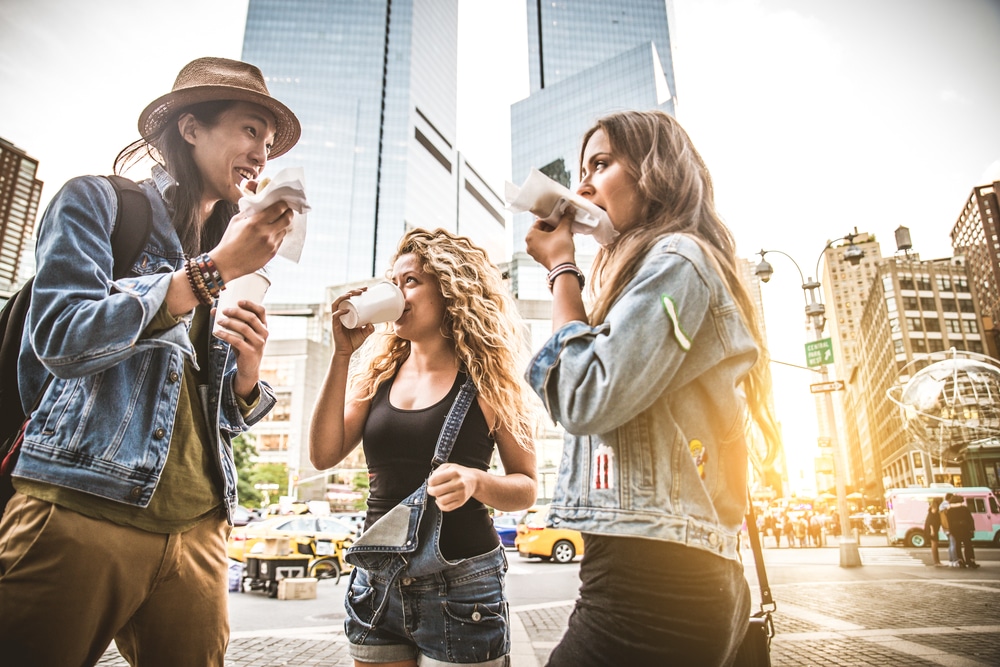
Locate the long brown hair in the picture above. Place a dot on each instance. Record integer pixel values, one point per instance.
(169, 149)
(675, 190)
(480, 319)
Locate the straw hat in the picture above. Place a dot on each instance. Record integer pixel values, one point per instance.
(213, 79)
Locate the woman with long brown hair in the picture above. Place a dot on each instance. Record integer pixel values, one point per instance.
(653, 387)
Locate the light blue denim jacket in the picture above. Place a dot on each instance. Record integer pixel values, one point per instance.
(105, 423)
(659, 392)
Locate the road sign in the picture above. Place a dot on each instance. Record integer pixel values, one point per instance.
(819, 352)
(821, 387)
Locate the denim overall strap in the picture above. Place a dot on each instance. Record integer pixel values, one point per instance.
(374, 557)
(453, 423)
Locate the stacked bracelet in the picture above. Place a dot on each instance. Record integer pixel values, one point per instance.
(205, 279)
(566, 267)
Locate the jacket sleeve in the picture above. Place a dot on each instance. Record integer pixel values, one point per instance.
(81, 321)
(593, 379)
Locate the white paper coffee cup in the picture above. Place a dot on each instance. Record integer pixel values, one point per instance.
(382, 302)
(251, 287)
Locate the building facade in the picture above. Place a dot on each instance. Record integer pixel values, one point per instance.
(976, 236)
(374, 85)
(916, 308)
(586, 58)
(20, 192)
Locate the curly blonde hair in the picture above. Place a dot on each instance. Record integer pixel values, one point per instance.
(676, 194)
(480, 318)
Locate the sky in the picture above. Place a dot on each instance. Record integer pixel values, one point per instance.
(813, 116)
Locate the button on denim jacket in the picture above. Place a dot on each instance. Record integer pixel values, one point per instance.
(105, 422)
(655, 444)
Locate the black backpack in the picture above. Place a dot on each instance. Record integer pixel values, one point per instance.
(132, 228)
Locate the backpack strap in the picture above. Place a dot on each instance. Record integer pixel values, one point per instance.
(133, 224)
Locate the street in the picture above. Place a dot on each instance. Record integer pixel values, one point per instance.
(895, 610)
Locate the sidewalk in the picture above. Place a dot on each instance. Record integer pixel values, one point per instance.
(839, 617)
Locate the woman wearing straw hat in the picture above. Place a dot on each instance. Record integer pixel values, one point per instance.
(125, 481)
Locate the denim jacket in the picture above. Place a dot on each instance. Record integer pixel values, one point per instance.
(655, 420)
(105, 422)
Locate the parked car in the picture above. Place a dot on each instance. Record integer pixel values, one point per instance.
(244, 515)
(536, 540)
(506, 527)
(354, 519)
(250, 538)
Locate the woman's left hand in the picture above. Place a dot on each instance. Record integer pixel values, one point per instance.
(246, 333)
(452, 485)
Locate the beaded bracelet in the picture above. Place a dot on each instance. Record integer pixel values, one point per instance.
(198, 283)
(210, 273)
(566, 267)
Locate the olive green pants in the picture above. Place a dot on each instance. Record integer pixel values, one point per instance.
(70, 584)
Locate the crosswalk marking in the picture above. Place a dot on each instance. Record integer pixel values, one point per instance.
(884, 556)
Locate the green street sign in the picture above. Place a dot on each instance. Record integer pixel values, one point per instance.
(819, 352)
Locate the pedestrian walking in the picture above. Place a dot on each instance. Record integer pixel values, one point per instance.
(458, 322)
(963, 527)
(652, 386)
(788, 527)
(932, 526)
(125, 485)
(954, 554)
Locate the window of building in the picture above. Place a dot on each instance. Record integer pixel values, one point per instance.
(953, 326)
(911, 303)
(906, 281)
(894, 324)
(918, 344)
(966, 306)
(924, 282)
(914, 324)
(970, 326)
(935, 345)
(932, 324)
(944, 283)
(927, 303)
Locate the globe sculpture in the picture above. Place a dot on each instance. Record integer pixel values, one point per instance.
(951, 403)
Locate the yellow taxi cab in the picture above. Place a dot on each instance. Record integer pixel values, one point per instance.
(535, 540)
(249, 539)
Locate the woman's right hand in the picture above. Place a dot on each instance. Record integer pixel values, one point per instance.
(347, 341)
(551, 246)
(251, 240)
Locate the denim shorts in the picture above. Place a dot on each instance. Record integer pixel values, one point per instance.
(456, 616)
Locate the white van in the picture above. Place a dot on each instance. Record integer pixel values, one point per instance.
(907, 509)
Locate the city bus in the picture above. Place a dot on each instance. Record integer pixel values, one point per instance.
(907, 509)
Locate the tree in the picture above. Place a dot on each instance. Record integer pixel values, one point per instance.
(244, 453)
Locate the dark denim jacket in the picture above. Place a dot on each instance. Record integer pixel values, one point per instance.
(655, 420)
(105, 422)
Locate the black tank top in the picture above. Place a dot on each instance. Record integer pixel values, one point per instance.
(399, 445)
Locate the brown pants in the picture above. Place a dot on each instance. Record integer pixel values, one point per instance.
(69, 584)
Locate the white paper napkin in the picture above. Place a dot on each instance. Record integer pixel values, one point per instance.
(548, 199)
(287, 185)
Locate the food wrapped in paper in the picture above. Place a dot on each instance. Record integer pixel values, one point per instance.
(287, 185)
(548, 199)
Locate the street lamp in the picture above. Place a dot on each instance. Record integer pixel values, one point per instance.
(816, 313)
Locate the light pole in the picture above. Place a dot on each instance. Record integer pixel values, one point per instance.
(816, 313)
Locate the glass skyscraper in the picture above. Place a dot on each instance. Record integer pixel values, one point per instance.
(374, 84)
(586, 58)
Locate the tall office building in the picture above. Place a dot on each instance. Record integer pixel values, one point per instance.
(20, 192)
(374, 85)
(585, 58)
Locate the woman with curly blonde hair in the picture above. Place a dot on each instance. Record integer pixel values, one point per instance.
(656, 388)
(458, 322)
